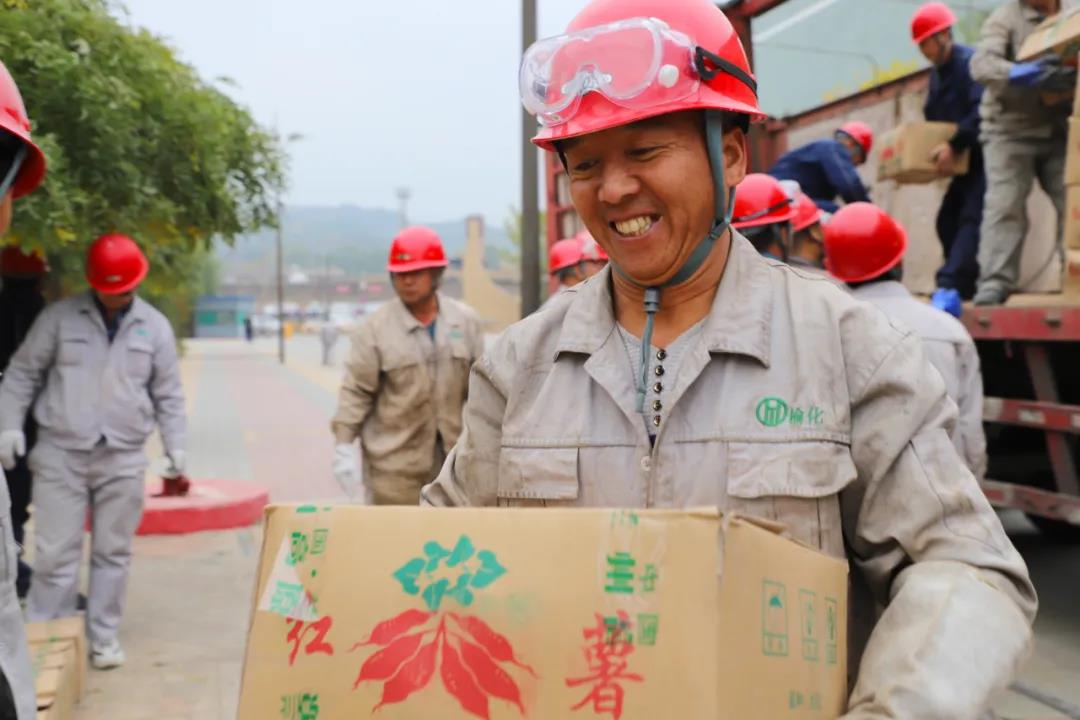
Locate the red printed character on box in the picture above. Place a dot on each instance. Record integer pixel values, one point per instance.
(610, 643)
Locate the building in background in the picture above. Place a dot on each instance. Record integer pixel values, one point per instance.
(222, 316)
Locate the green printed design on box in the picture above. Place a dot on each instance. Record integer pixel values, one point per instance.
(774, 626)
(808, 624)
(298, 548)
(648, 628)
(318, 541)
(286, 598)
(300, 706)
(831, 629)
(620, 573)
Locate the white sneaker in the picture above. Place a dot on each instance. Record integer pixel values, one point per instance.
(107, 656)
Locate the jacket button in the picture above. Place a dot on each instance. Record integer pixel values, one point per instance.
(646, 463)
(661, 355)
(659, 371)
(658, 388)
(656, 421)
(657, 406)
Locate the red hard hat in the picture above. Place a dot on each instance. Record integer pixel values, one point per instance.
(806, 213)
(590, 249)
(728, 84)
(13, 118)
(115, 264)
(760, 199)
(929, 20)
(861, 133)
(416, 248)
(16, 262)
(862, 241)
(563, 254)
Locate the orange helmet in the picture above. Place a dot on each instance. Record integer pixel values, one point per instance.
(416, 248)
(621, 61)
(14, 120)
(863, 241)
(760, 199)
(16, 262)
(806, 213)
(929, 20)
(861, 133)
(115, 264)
(590, 249)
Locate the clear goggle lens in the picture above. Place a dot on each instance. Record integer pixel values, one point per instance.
(635, 63)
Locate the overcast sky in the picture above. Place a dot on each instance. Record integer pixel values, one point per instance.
(386, 93)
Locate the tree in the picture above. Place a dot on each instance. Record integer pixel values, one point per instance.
(136, 143)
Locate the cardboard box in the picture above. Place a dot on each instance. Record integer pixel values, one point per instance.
(541, 613)
(58, 657)
(1072, 153)
(1058, 35)
(1071, 283)
(905, 152)
(1072, 217)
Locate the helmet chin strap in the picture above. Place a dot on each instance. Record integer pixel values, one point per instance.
(723, 203)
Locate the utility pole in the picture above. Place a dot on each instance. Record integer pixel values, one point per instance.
(530, 202)
(403, 195)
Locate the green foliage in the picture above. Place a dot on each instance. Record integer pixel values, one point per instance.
(136, 143)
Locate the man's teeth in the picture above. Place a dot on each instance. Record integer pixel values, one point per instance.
(634, 226)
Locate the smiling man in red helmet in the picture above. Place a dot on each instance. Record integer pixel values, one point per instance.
(695, 372)
(99, 370)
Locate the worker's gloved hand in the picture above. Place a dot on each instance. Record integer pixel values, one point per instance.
(1048, 75)
(12, 447)
(177, 461)
(347, 469)
(1026, 74)
(947, 300)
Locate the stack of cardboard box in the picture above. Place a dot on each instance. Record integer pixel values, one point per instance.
(58, 654)
(905, 153)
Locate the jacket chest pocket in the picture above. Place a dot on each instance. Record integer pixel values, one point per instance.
(538, 477)
(140, 358)
(73, 349)
(796, 483)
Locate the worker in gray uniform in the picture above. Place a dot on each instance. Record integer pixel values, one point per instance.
(98, 369)
(22, 168)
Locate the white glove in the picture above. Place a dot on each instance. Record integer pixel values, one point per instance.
(346, 468)
(12, 447)
(177, 460)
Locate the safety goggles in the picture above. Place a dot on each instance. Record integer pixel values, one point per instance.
(635, 63)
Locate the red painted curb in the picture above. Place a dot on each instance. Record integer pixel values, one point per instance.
(210, 505)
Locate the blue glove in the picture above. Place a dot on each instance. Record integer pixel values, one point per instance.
(1026, 74)
(947, 300)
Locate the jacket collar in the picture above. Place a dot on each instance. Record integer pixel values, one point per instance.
(739, 323)
(408, 321)
(881, 290)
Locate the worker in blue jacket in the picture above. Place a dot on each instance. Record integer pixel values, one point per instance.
(825, 169)
(954, 97)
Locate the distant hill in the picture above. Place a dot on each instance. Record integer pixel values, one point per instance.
(353, 238)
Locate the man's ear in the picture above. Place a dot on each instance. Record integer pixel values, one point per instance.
(736, 157)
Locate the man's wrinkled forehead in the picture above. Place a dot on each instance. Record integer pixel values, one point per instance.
(660, 122)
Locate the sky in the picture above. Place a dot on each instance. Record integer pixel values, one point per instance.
(386, 93)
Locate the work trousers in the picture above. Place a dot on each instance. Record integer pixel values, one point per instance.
(108, 482)
(958, 224)
(1011, 167)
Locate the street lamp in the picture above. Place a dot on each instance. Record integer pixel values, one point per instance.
(291, 138)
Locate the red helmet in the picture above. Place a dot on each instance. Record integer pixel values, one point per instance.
(416, 248)
(862, 241)
(929, 20)
(760, 199)
(115, 264)
(590, 249)
(806, 213)
(16, 262)
(621, 61)
(13, 118)
(563, 254)
(861, 133)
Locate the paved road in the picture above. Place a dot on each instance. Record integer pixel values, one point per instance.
(254, 419)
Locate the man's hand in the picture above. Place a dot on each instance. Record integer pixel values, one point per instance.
(12, 447)
(347, 469)
(944, 159)
(177, 461)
